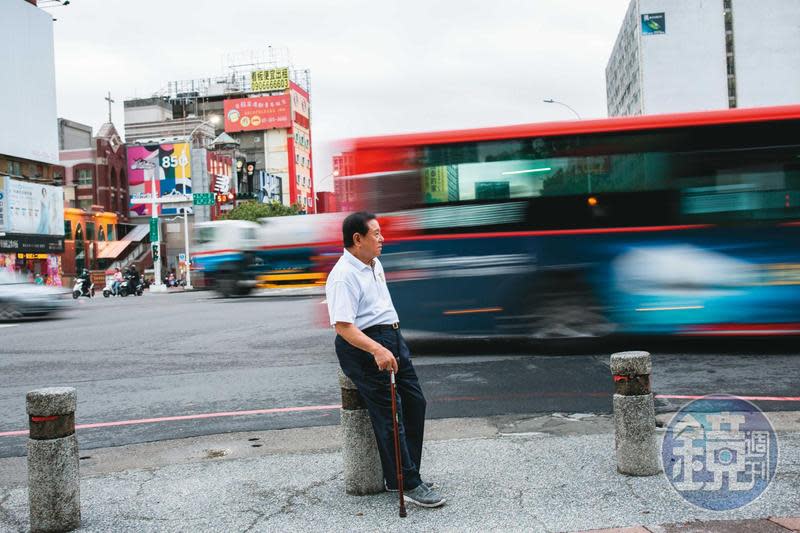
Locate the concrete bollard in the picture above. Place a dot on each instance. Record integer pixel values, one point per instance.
(634, 415)
(362, 464)
(53, 471)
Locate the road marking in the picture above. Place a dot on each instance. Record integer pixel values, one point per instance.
(8, 325)
(312, 408)
(190, 417)
(751, 398)
(323, 302)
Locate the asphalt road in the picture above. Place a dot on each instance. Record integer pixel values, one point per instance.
(191, 355)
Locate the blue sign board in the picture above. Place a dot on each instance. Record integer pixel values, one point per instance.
(653, 24)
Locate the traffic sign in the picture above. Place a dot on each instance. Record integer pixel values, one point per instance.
(153, 230)
(203, 198)
(166, 199)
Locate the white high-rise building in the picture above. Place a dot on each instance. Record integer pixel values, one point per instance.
(691, 55)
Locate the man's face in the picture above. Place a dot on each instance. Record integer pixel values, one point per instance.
(372, 242)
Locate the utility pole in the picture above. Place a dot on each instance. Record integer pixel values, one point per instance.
(157, 286)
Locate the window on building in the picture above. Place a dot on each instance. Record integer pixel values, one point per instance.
(101, 234)
(85, 204)
(90, 231)
(68, 230)
(84, 176)
(14, 168)
(110, 232)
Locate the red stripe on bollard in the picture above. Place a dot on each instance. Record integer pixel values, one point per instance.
(44, 418)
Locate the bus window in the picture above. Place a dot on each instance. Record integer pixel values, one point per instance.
(205, 234)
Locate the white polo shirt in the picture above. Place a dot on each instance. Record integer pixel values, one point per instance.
(357, 294)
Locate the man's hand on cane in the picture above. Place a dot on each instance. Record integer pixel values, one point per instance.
(385, 359)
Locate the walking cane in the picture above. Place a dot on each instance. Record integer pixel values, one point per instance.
(397, 455)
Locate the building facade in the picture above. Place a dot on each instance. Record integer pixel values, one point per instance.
(94, 168)
(672, 57)
(96, 199)
(343, 189)
(265, 113)
(31, 196)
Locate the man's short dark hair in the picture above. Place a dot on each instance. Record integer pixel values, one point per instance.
(355, 223)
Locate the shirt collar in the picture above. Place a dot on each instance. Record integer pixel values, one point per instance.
(355, 261)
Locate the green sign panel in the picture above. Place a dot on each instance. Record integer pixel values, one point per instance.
(203, 198)
(153, 230)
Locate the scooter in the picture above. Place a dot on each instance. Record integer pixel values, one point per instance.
(79, 289)
(109, 290)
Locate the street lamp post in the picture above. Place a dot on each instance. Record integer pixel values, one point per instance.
(588, 175)
(551, 101)
(187, 262)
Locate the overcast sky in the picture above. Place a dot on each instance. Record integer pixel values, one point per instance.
(377, 66)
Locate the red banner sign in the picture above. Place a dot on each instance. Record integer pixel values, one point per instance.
(259, 113)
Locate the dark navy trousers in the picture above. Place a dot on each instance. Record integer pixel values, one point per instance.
(375, 389)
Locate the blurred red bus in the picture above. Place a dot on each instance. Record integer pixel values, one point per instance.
(672, 224)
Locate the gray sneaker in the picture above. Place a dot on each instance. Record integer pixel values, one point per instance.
(424, 496)
(430, 485)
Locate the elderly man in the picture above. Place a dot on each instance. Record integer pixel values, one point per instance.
(369, 344)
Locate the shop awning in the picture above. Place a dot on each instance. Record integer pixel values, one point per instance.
(138, 233)
(111, 249)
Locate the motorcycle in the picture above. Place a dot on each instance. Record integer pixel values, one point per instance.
(82, 289)
(131, 286)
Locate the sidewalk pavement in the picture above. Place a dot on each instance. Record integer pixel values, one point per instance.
(537, 473)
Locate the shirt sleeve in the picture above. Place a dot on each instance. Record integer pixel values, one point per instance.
(342, 302)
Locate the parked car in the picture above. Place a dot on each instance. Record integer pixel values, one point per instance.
(21, 299)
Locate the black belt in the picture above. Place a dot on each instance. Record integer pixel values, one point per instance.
(381, 327)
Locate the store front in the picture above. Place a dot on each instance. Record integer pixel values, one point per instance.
(35, 256)
(87, 233)
(32, 229)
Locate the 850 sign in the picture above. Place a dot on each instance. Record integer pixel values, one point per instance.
(173, 162)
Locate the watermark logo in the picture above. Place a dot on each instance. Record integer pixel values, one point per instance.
(720, 452)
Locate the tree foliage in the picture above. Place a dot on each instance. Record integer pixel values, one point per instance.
(252, 211)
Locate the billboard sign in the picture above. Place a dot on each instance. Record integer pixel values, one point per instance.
(28, 88)
(270, 187)
(32, 244)
(258, 113)
(653, 24)
(275, 79)
(31, 208)
(222, 184)
(170, 164)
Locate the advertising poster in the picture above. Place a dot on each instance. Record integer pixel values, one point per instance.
(440, 184)
(31, 208)
(276, 79)
(258, 113)
(170, 164)
(653, 24)
(270, 187)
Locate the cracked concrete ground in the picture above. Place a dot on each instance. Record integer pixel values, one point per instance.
(536, 473)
